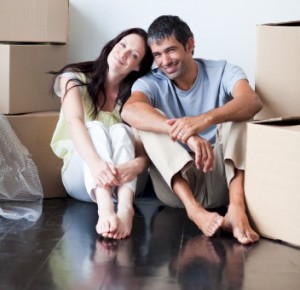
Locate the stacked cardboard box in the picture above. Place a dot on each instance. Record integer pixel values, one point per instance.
(272, 180)
(33, 41)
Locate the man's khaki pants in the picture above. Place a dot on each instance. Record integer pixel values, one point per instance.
(210, 189)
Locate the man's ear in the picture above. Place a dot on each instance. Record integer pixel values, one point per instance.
(190, 46)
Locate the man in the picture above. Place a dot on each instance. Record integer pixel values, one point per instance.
(191, 117)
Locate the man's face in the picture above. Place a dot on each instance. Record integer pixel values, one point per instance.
(171, 57)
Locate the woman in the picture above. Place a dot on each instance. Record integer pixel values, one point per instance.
(102, 157)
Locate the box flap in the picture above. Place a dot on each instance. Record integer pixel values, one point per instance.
(280, 121)
(287, 23)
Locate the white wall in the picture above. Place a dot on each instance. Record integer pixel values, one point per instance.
(223, 29)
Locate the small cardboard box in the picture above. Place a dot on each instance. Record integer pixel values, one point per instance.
(24, 81)
(272, 178)
(34, 21)
(277, 77)
(35, 132)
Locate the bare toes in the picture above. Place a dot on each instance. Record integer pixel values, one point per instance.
(107, 224)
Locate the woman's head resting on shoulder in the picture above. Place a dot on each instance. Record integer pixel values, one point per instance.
(127, 55)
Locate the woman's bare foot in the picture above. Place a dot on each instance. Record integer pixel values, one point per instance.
(207, 222)
(107, 224)
(125, 217)
(236, 221)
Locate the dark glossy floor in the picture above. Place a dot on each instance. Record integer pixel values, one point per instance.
(166, 251)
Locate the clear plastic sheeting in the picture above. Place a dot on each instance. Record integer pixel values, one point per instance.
(21, 193)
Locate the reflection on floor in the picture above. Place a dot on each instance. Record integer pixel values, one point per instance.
(166, 251)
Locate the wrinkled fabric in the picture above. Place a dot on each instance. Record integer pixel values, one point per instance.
(21, 193)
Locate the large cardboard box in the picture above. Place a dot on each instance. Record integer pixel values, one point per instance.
(35, 132)
(272, 178)
(277, 78)
(34, 21)
(24, 81)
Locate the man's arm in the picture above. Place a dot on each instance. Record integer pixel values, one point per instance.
(244, 106)
(139, 113)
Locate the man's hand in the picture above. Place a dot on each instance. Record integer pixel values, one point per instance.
(184, 128)
(204, 155)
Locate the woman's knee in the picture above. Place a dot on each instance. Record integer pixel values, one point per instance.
(121, 132)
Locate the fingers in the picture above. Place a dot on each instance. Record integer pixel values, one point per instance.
(107, 177)
(208, 158)
(181, 129)
(204, 156)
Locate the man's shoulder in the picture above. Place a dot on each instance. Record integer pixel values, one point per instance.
(209, 63)
(155, 75)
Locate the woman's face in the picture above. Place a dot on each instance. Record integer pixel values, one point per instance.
(127, 54)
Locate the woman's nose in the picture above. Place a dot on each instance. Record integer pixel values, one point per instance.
(123, 54)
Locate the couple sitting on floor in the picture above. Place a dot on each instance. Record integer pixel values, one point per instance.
(187, 119)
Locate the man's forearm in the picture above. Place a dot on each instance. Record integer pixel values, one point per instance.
(236, 110)
(144, 117)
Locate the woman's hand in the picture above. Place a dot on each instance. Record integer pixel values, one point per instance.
(127, 171)
(105, 174)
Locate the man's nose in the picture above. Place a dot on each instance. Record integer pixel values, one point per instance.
(165, 59)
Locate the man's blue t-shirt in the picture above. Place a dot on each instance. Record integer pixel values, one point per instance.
(212, 88)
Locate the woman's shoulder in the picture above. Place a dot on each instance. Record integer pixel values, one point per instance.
(73, 75)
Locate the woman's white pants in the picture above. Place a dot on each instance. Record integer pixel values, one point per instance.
(114, 144)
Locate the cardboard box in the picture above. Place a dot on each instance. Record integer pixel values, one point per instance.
(24, 81)
(277, 78)
(35, 132)
(272, 178)
(34, 21)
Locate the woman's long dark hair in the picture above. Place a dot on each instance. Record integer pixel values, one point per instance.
(97, 71)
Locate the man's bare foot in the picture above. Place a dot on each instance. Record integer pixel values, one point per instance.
(207, 222)
(236, 221)
(107, 224)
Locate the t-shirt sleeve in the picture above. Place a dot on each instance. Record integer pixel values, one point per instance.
(69, 75)
(232, 74)
(146, 86)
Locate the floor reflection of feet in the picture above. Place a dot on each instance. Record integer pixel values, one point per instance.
(199, 247)
(105, 250)
(108, 250)
(200, 263)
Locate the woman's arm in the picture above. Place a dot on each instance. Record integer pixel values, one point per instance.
(129, 170)
(103, 172)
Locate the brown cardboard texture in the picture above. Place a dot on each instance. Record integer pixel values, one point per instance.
(34, 21)
(277, 77)
(35, 132)
(272, 183)
(24, 81)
